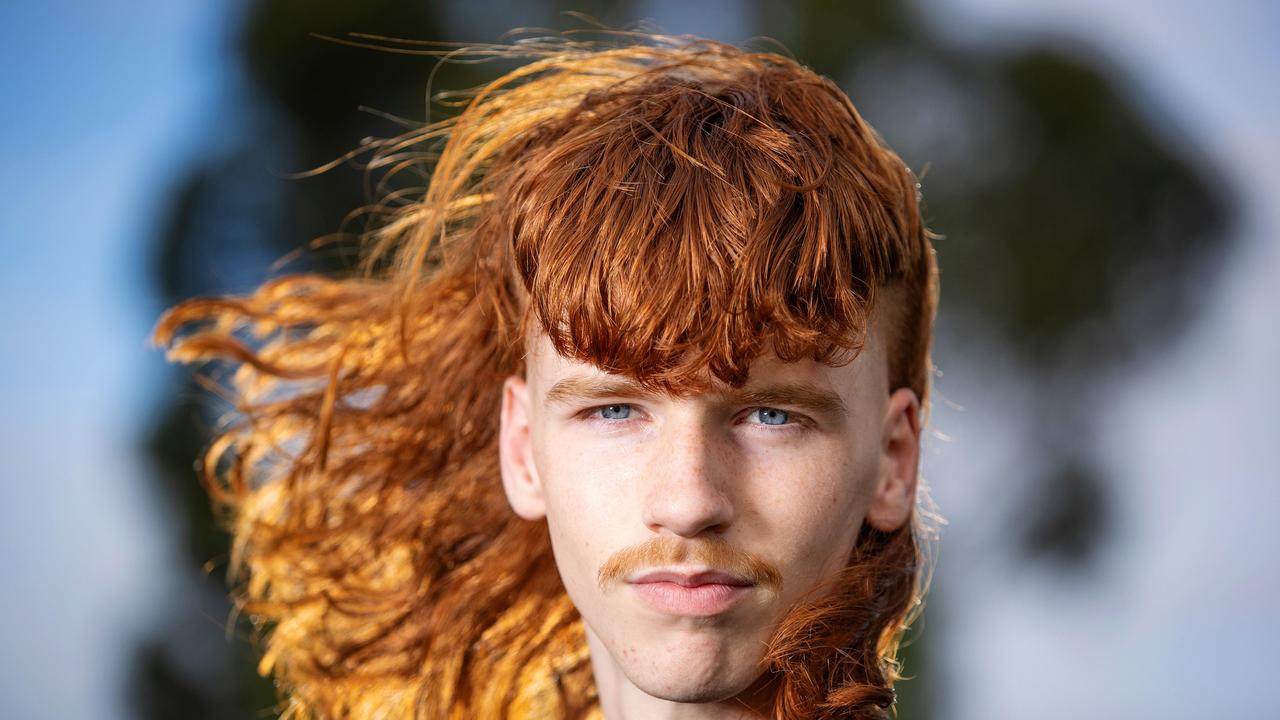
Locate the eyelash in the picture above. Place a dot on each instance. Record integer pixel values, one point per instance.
(797, 421)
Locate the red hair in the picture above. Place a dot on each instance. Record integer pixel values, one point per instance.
(661, 208)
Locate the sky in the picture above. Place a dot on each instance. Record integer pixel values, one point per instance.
(103, 100)
(100, 102)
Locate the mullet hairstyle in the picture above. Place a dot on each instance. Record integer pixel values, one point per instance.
(658, 206)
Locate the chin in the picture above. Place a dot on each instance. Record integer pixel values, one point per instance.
(681, 688)
(694, 669)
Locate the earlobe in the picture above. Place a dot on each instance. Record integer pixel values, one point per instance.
(515, 450)
(895, 492)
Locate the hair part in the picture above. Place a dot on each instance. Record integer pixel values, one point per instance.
(660, 207)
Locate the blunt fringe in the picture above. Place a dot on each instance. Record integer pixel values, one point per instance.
(660, 206)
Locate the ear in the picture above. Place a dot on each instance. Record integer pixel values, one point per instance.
(515, 451)
(895, 491)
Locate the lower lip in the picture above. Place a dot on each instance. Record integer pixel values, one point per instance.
(708, 599)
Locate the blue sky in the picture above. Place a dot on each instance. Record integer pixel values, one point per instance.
(101, 103)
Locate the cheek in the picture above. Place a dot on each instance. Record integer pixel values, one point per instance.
(814, 503)
(587, 500)
(581, 484)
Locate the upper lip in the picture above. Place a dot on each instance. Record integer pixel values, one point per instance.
(692, 579)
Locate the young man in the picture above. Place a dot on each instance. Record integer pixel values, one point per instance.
(671, 303)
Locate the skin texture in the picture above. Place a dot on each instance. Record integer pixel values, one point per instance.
(786, 484)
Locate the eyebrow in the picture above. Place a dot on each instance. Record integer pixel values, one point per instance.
(802, 395)
(571, 389)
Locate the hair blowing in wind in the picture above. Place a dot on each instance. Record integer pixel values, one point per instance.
(661, 207)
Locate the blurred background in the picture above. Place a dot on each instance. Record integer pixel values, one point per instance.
(1104, 444)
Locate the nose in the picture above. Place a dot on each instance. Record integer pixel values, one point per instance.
(688, 493)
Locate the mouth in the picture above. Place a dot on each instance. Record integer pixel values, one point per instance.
(698, 594)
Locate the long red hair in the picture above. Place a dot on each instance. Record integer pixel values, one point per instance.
(660, 207)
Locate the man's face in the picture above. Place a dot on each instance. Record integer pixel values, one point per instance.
(685, 527)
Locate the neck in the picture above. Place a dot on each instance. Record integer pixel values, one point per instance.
(620, 699)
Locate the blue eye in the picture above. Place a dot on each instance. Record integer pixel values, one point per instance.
(615, 412)
(771, 416)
